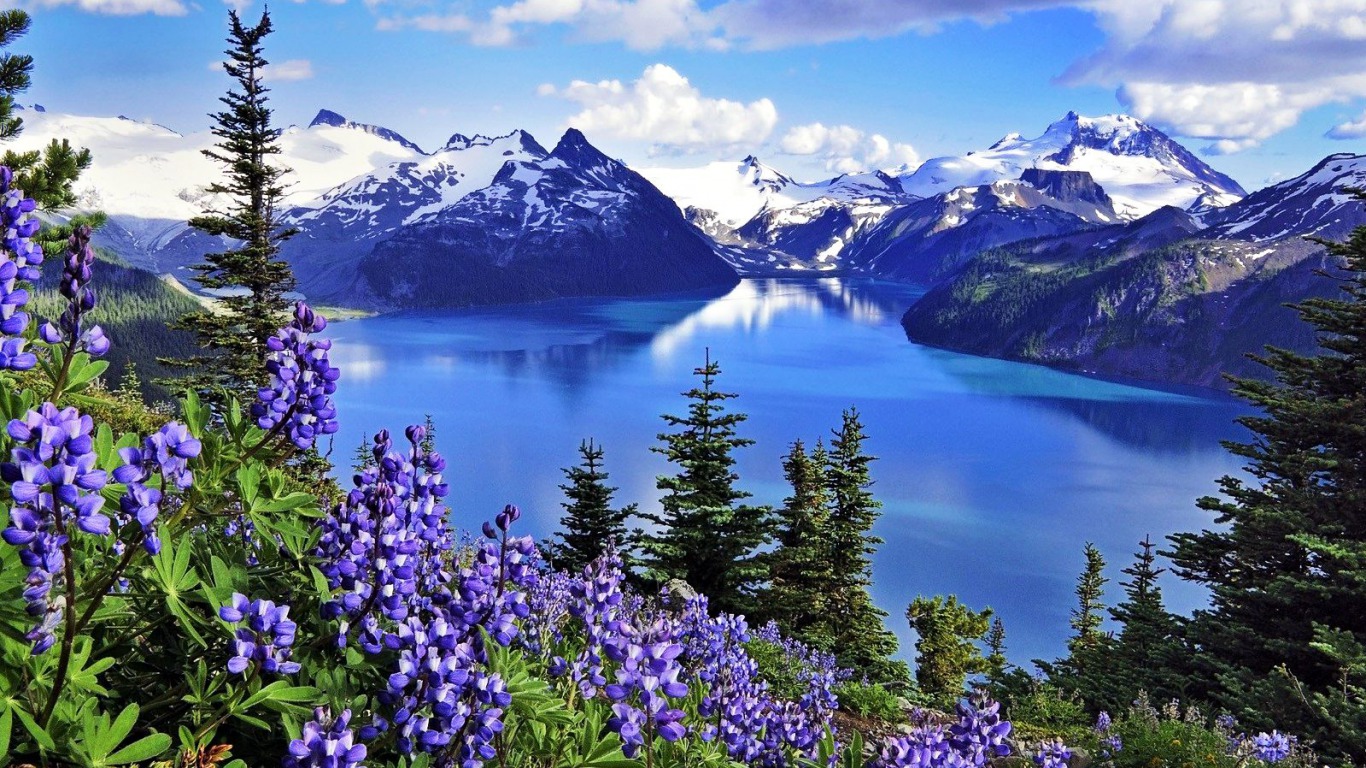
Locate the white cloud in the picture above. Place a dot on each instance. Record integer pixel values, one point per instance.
(846, 149)
(640, 24)
(280, 71)
(1233, 71)
(667, 111)
(291, 69)
(114, 7)
(1352, 129)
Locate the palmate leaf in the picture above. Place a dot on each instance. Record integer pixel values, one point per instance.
(178, 578)
(83, 371)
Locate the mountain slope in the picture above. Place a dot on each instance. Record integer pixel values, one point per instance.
(1160, 298)
(569, 222)
(354, 186)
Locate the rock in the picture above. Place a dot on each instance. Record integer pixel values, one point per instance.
(679, 592)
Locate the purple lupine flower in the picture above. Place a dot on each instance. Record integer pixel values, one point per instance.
(80, 298)
(980, 733)
(160, 466)
(1052, 754)
(326, 743)
(55, 486)
(19, 260)
(298, 400)
(265, 639)
(1271, 747)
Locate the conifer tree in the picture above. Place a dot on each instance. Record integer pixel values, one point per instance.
(946, 647)
(589, 521)
(852, 621)
(1145, 651)
(251, 274)
(46, 175)
(1286, 566)
(799, 569)
(996, 650)
(1087, 616)
(705, 535)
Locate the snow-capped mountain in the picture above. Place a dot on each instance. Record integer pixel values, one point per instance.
(567, 222)
(764, 220)
(1313, 203)
(1140, 167)
(355, 186)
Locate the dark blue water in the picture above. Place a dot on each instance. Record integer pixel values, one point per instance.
(992, 474)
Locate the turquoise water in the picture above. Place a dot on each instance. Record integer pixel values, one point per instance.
(992, 473)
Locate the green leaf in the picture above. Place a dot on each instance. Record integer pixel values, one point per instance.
(6, 725)
(144, 748)
(39, 735)
(83, 371)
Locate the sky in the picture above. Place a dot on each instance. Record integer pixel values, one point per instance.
(1261, 89)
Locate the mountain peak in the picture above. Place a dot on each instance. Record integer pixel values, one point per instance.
(326, 118)
(574, 148)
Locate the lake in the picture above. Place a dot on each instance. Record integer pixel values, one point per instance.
(992, 474)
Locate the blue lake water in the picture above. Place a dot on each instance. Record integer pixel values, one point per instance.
(992, 473)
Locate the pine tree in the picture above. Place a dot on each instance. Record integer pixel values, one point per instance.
(996, 650)
(589, 521)
(851, 619)
(46, 175)
(252, 274)
(363, 457)
(799, 569)
(1286, 566)
(1146, 649)
(946, 647)
(1087, 616)
(704, 534)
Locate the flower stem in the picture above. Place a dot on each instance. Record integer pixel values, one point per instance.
(69, 636)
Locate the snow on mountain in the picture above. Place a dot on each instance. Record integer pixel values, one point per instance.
(407, 190)
(1313, 203)
(1141, 168)
(737, 192)
(146, 171)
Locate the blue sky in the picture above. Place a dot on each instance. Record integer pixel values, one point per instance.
(812, 86)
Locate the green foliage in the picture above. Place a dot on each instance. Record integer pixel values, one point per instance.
(1177, 736)
(870, 700)
(1086, 617)
(1039, 710)
(705, 535)
(136, 309)
(1288, 554)
(946, 647)
(589, 521)
(251, 275)
(46, 175)
(821, 571)
(799, 568)
(855, 625)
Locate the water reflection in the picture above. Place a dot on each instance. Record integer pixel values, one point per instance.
(992, 473)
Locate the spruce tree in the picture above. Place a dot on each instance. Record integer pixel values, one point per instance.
(852, 621)
(996, 650)
(946, 645)
(799, 569)
(1087, 616)
(704, 534)
(589, 521)
(1147, 647)
(1286, 566)
(251, 274)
